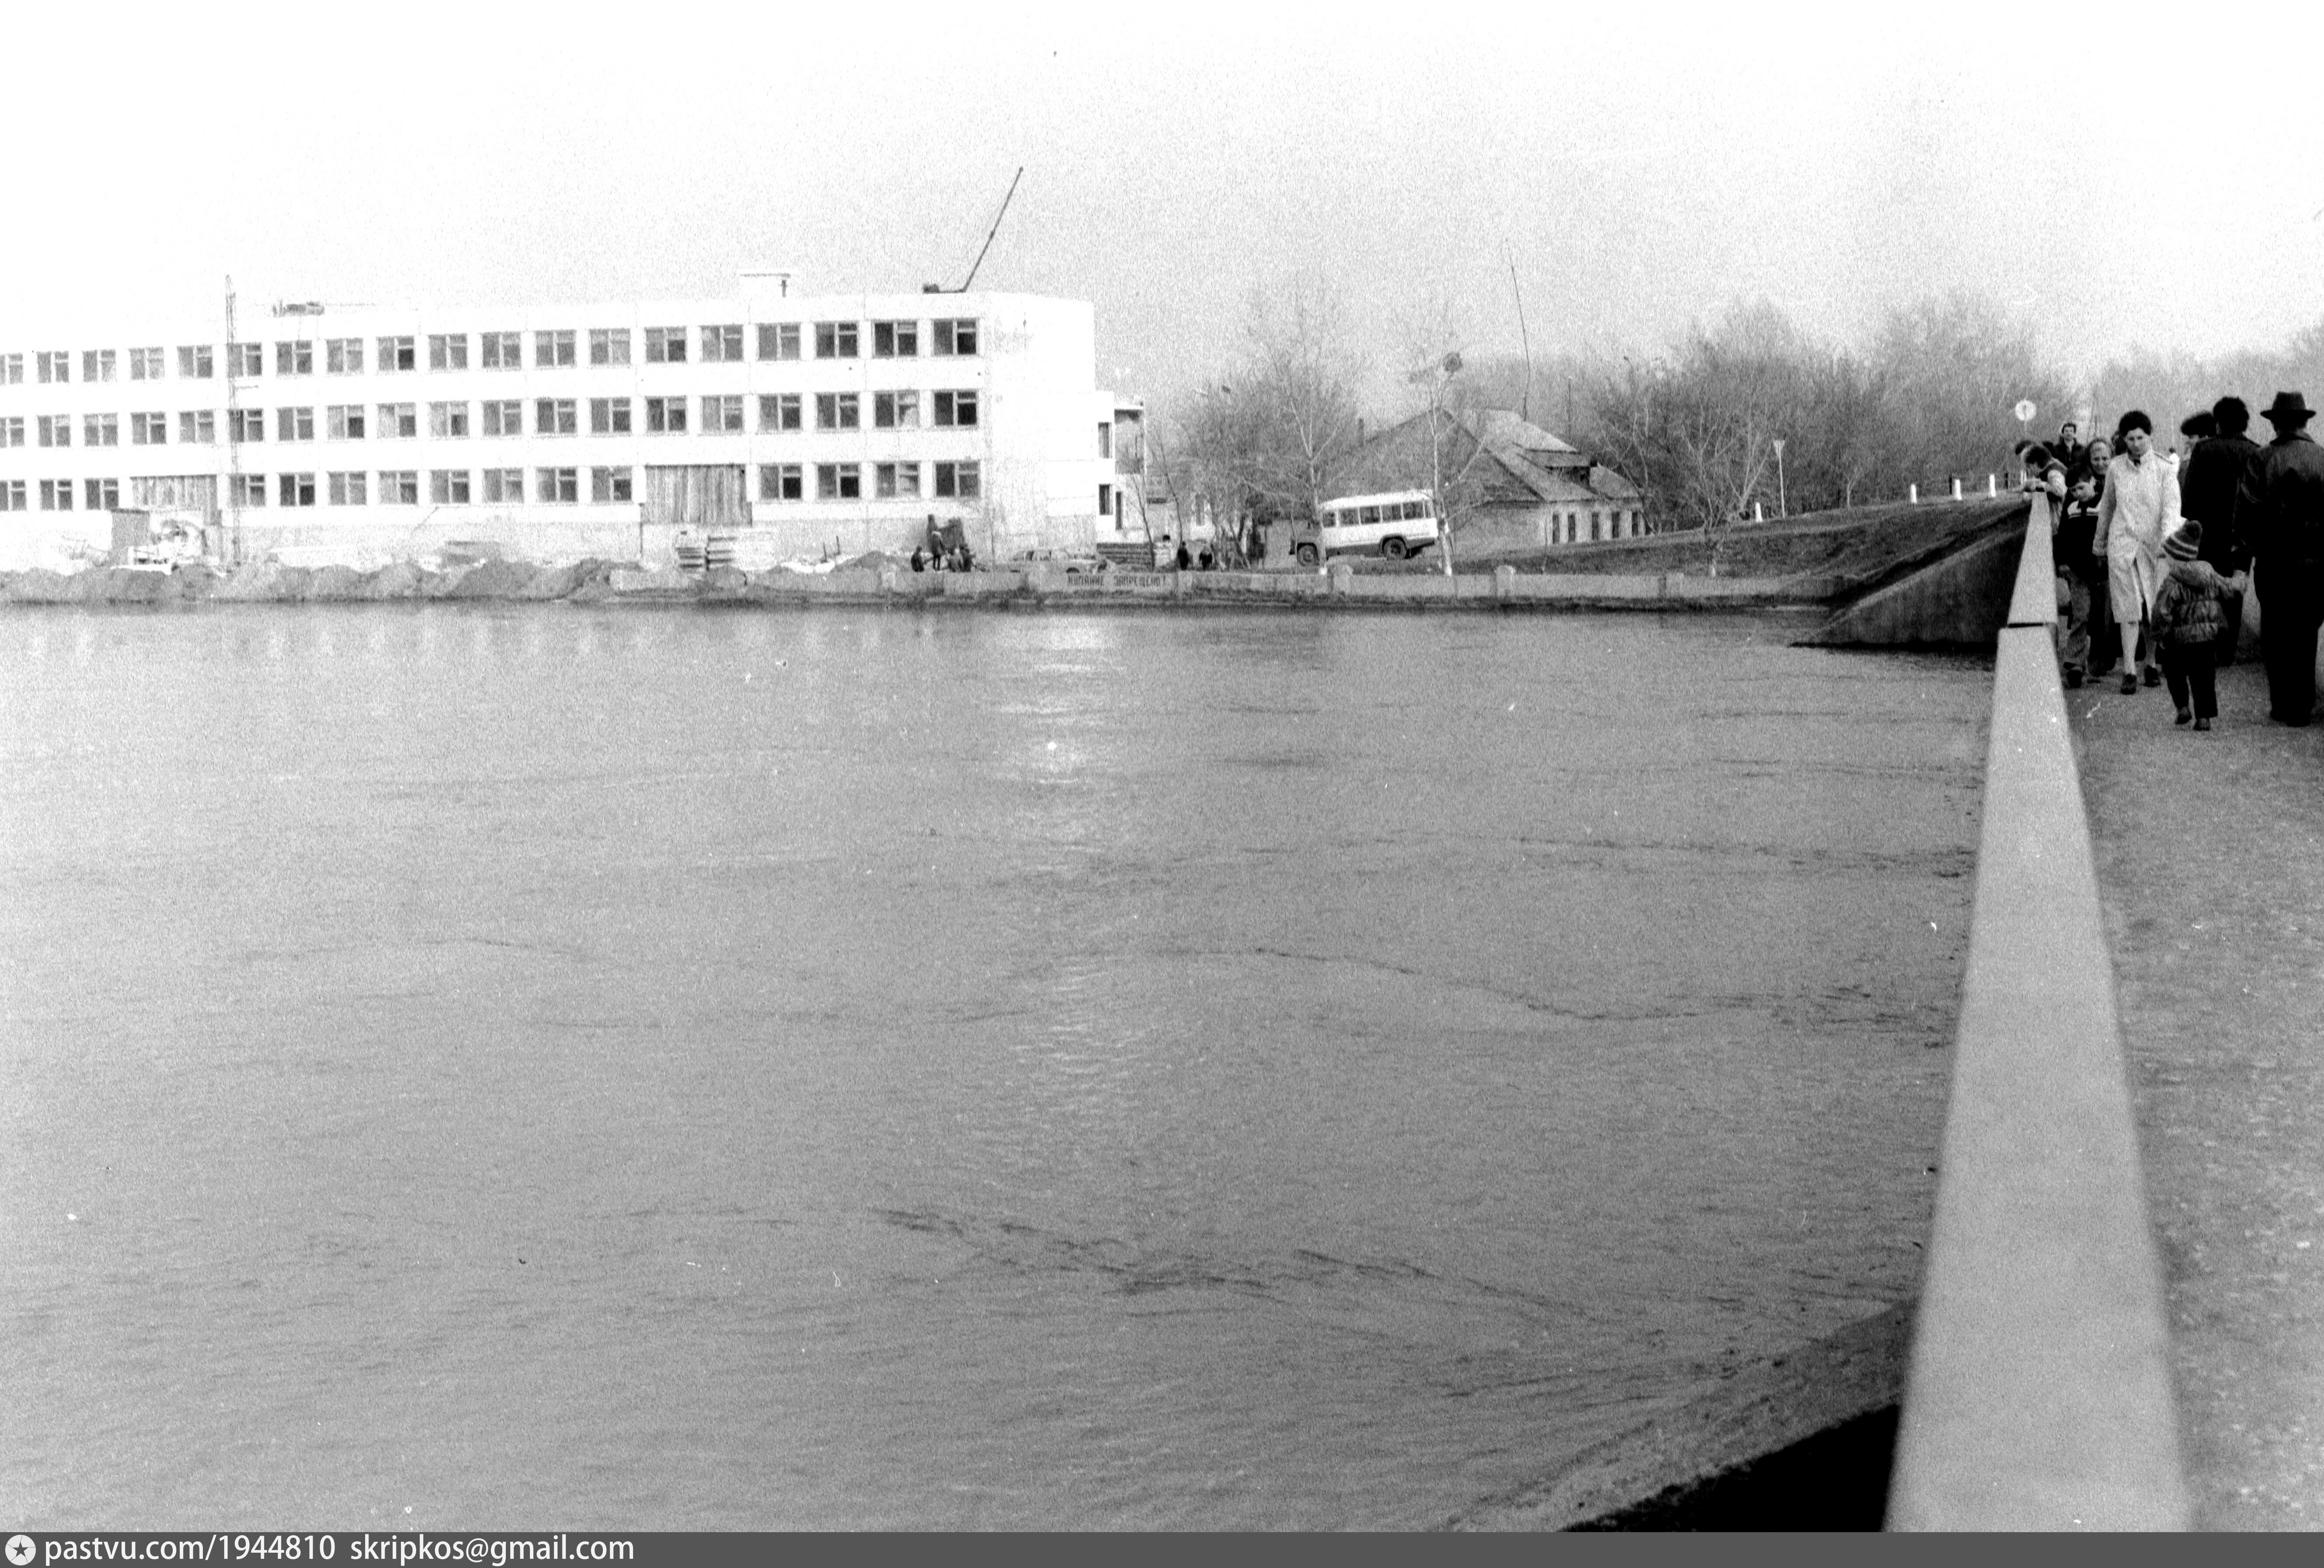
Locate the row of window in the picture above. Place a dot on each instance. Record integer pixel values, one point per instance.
(719, 415)
(459, 486)
(721, 343)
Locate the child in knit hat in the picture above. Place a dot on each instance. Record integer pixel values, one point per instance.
(2190, 614)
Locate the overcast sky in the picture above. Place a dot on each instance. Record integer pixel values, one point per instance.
(2121, 182)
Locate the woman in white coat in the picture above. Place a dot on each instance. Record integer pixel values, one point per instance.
(2140, 506)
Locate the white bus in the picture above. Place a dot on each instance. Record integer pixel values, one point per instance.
(1396, 525)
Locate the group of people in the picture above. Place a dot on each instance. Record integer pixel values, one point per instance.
(2166, 546)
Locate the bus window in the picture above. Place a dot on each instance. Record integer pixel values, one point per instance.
(1368, 515)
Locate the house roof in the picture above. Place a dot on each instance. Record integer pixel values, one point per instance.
(1516, 461)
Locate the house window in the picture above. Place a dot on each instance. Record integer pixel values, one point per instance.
(295, 489)
(721, 414)
(149, 429)
(146, 364)
(837, 411)
(447, 351)
(398, 487)
(294, 359)
(11, 430)
(552, 350)
(781, 481)
(96, 364)
(895, 339)
(609, 416)
(666, 416)
(957, 481)
(100, 430)
(294, 425)
(1593, 528)
(838, 481)
(1104, 439)
(556, 417)
(347, 490)
(12, 495)
(896, 481)
(956, 408)
(246, 361)
(56, 429)
(722, 344)
(197, 427)
(12, 373)
(399, 421)
(399, 354)
(449, 486)
(556, 485)
(54, 366)
(104, 494)
(778, 340)
(246, 425)
(194, 361)
(248, 490)
(609, 484)
(665, 346)
(779, 412)
(896, 410)
(956, 337)
(343, 355)
(344, 421)
(1105, 501)
(835, 340)
(504, 417)
(504, 484)
(56, 495)
(448, 419)
(501, 350)
(609, 345)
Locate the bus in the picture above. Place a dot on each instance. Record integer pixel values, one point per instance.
(1398, 524)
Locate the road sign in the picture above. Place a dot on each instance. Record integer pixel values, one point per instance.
(2024, 410)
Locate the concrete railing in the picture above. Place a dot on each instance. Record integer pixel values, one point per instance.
(2039, 1393)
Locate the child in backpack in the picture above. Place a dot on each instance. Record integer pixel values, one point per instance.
(2190, 614)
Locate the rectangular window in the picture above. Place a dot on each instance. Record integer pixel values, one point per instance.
(100, 430)
(721, 414)
(399, 354)
(609, 416)
(779, 412)
(505, 485)
(344, 421)
(448, 419)
(447, 351)
(56, 495)
(551, 350)
(104, 494)
(149, 429)
(449, 486)
(295, 489)
(398, 487)
(294, 425)
(778, 340)
(502, 350)
(11, 430)
(896, 481)
(838, 411)
(556, 485)
(781, 481)
(294, 359)
(609, 484)
(956, 337)
(348, 490)
(504, 417)
(898, 411)
(246, 425)
(666, 416)
(1105, 501)
(194, 362)
(245, 361)
(55, 366)
(1593, 528)
(722, 344)
(12, 373)
(835, 340)
(895, 339)
(957, 481)
(343, 356)
(838, 481)
(12, 495)
(665, 346)
(609, 345)
(56, 429)
(956, 409)
(96, 364)
(1104, 439)
(248, 490)
(197, 427)
(146, 364)
(556, 417)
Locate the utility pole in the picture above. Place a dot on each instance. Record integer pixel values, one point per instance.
(1781, 508)
(233, 438)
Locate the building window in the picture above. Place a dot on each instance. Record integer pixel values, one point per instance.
(837, 411)
(246, 360)
(12, 373)
(447, 351)
(1104, 439)
(897, 411)
(609, 345)
(896, 481)
(956, 337)
(399, 421)
(146, 364)
(781, 481)
(56, 429)
(778, 340)
(609, 484)
(504, 417)
(449, 419)
(779, 412)
(343, 356)
(957, 481)
(96, 364)
(449, 486)
(552, 350)
(197, 427)
(56, 495)
(246, 425)
(294, 425)
(502, 350)
(838, 481)
(344, 421)
(956, 409)
(721, 414)
(556, 485)
(54, 366)
(104, 494)
(11, 430)
(722, 344)
(12, 495)
(348, 490)
(248, 490)
(665, 346)
(895, 339)
(399, 354)
(835, 340)
(100, 430)
(504, 484)
(295, 489)
(666, 416)
(556, 417)
(398, 487)
(1105, 501)
(1593, 528)
(609, 416)
(149, 429)
(194, 361)
(294, 359)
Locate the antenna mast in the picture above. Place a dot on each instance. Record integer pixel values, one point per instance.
(233, 438)
(1525, 399)
(996, 228)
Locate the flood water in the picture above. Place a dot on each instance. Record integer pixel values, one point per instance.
(543, 1066)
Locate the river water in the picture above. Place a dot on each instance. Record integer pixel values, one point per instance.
(545, 1066)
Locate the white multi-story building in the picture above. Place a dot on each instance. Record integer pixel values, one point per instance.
(830, 424)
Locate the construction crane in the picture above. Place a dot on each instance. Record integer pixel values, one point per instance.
(939, 288)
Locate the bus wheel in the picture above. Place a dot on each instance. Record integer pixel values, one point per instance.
(1393, 548)
(1309, 555)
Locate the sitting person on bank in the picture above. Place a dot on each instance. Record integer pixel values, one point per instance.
(2189, 609)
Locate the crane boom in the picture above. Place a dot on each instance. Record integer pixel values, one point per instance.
(996, 229)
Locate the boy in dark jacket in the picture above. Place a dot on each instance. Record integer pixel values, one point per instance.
(2189, 610)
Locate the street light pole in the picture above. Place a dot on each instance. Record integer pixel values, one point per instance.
(1783, 508)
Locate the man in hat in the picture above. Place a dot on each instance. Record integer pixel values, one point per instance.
(2282, 508)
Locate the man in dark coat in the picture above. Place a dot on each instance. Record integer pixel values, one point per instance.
(2282, 505)
(2210, 491)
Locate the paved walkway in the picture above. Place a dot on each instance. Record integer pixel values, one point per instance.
(2210, 862)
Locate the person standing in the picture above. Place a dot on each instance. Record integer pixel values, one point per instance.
(2188, 610)
(2209, 490)
(2079, 557)
(2141, 504)
(2283, 503)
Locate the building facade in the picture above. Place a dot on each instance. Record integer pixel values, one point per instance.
(818, 425)
(1507, 484)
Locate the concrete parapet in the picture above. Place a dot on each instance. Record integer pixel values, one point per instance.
(662, 582)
